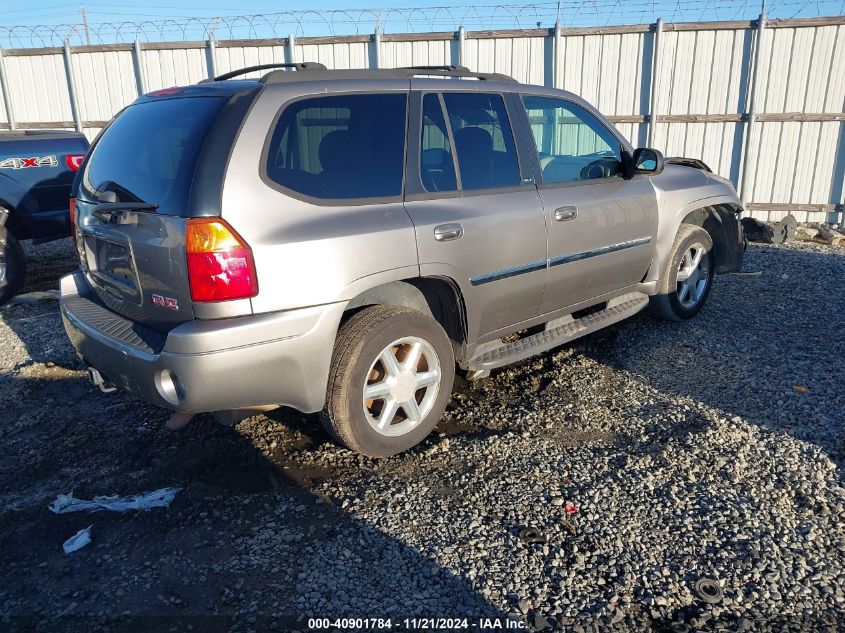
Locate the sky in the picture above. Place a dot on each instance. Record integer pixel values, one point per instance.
(118, 20)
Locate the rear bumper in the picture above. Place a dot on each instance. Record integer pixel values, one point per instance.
(279, 358)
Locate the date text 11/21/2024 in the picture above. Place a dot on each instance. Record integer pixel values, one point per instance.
(416, 624)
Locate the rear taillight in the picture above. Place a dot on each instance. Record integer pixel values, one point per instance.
(72, 214)
(220, 264)
(73, 161)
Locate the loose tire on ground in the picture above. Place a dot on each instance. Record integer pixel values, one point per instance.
(361, 361)
(672, 303)
(12, 265)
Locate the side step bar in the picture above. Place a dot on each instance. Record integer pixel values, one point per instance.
(557, 332)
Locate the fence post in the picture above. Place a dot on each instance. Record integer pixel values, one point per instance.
(462, 38)
(71, 88)
(138, 69)
(556, 58)
(752, 109)
(211, 56)
(655, 68)
(292, 48)
(7, 98)
(377, 45)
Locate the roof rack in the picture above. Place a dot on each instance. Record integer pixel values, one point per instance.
(252, 69)
(454, 71)
(406, 72)
(452, 68)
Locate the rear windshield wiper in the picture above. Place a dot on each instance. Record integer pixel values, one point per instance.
(108, 210)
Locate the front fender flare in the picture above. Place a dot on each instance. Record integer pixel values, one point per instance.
(670, 222)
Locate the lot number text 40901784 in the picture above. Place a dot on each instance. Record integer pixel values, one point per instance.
(415, 624)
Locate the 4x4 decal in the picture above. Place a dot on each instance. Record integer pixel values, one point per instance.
(32, 161)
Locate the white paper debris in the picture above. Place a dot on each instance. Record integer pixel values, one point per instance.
(156, 499)
(78, 540)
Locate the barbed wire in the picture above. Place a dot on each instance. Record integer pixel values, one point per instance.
(570, 13)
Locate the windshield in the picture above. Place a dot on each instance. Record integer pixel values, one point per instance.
(149, 152)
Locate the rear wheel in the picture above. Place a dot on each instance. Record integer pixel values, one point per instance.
(12, 265)
(686, 282)
(390, 380)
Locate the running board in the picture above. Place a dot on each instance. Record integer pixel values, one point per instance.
(557, 332)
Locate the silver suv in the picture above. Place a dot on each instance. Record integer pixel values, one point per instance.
(344, 240)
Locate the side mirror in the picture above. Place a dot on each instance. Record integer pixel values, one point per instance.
(647, 161)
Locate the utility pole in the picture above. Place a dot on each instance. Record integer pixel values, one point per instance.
(84, 14)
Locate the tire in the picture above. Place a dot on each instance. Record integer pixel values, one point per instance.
(362, 342)
(673, 302)
(12, 266)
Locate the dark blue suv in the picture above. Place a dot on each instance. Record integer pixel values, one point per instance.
(36, 174)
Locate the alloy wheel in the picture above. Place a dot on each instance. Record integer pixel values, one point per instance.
(402, 386)
(693, 276)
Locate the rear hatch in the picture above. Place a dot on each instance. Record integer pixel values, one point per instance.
(137, 190)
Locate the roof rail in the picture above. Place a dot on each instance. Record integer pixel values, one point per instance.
(455, 71)
(445, 67)
(252, 69)
(448, 71)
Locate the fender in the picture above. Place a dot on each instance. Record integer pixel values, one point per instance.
(670, 221)
(425, 295)
(461, 285)
(14, 195)
(15, 200)
(367, 283)
(399, 293)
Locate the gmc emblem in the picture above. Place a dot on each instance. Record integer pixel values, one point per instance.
(165, 302)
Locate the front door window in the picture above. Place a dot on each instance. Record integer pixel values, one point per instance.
(571, 143)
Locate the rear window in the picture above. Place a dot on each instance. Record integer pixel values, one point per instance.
(483, 140)
(340, 147)
(149, 153)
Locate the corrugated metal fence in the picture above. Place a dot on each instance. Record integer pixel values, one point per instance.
(771, 120)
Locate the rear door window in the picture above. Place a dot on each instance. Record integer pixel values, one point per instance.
(149, 153)
(483, 140)
(437, 167)
(340, 147)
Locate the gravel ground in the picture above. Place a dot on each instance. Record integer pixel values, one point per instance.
(648, 457)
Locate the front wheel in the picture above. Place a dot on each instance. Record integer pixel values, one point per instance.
(12, 265)
(685, 284)
(390, 380)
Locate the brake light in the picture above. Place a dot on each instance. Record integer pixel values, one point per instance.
(72, 214)
(165, 92)
(220, 263)
(74, 161)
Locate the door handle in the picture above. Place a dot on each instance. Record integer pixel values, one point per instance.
(448, 232)
(565, 213)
